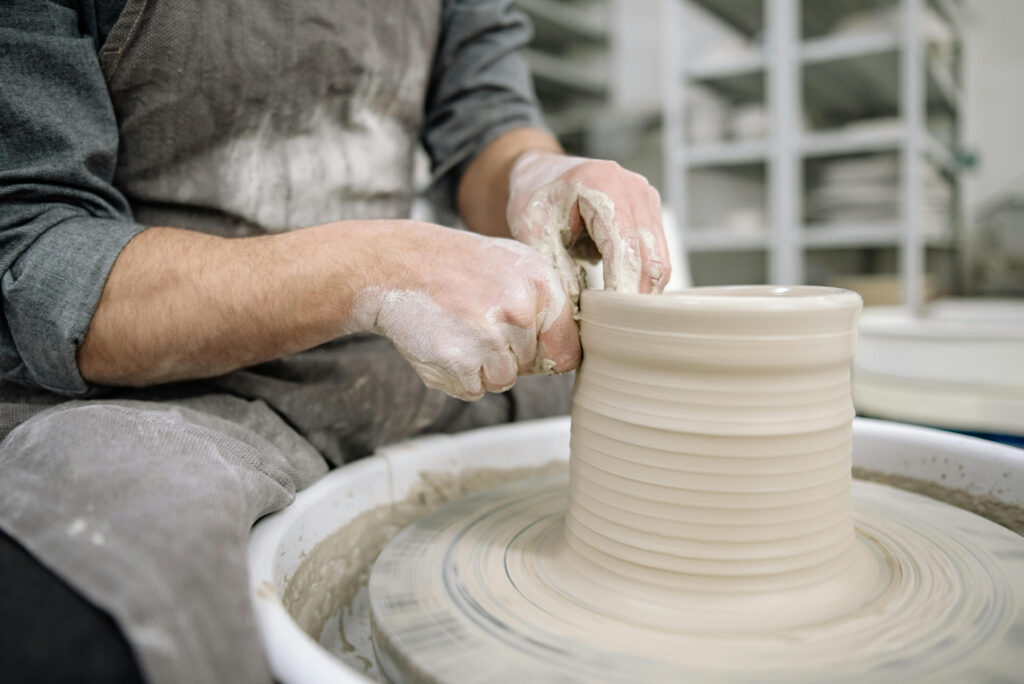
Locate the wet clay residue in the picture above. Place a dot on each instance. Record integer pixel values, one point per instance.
(321, 594)
(327, 593)
(1007, 515)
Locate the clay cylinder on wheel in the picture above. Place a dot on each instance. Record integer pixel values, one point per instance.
(711, 437)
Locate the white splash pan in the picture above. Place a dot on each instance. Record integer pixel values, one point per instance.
(959, 366)
(280, 541)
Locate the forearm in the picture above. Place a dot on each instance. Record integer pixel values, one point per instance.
(483, 190)
(180, 304)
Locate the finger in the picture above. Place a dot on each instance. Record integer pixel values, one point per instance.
(576, 227)
(499, 370)
(558, 345)
(550, 224)
(450, 364)
(617, 242)
(518, 316)
(465, 387)
(554, 252)
(656, 261)
(569, 272)
(523, 345)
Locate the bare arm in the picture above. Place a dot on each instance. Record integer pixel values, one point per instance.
(483, 190)
(469, 312)
(180, 304)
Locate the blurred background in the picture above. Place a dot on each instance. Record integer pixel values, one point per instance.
(871, 144)
(874, 145)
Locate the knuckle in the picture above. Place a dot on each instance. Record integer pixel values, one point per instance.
(568, 358)
(522, 314)
(499, 370)
(601, 169)
(458, 360)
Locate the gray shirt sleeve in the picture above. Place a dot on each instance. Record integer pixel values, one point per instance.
(62, 222)
(480, 84)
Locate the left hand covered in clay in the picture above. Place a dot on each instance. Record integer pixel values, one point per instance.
(568, 208)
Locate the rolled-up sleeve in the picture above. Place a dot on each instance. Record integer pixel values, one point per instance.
(62, 222)
(480, 83)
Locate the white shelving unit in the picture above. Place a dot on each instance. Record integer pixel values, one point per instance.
(570, 58)
(819, 82)
(594, 69)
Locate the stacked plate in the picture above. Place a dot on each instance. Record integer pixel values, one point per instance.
(858, 190)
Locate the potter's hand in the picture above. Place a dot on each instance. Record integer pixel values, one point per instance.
(569, 207)
(470, 313)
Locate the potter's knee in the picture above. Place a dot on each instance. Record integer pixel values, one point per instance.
(54, 427)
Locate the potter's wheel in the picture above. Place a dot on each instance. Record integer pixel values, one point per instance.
(472, 593)
(708, 529)
(722, 448)
(316, 532)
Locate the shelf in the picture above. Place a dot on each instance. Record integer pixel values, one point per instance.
(718, 240)
(841, 90)
(941, 155)
(942, 86)
(851, 101)
(842, 68)
(819, 16)
(740, 88)
(716, 67)
(745, 16)
(848, 46)
(731, 153)
(840, 142)
(567, 74)
(868, 86)
(873, 235)
(554, 20)
(861, 235)
(953, 14)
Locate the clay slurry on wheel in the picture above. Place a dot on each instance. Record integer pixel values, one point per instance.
(706, 530)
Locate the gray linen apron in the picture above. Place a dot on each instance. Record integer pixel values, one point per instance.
(238, 118)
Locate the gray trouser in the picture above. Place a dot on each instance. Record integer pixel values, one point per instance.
(143, 502)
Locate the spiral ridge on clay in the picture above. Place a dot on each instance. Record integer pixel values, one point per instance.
(711, 438)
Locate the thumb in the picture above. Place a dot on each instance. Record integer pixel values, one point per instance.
(558, 342)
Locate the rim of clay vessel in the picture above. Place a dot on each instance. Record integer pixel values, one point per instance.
(749, 311)
(759, 325)
(732, 297)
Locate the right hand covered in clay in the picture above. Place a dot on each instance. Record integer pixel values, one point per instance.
(567, 207)
(470, 313)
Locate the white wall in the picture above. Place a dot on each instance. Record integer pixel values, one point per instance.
(994, 109)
